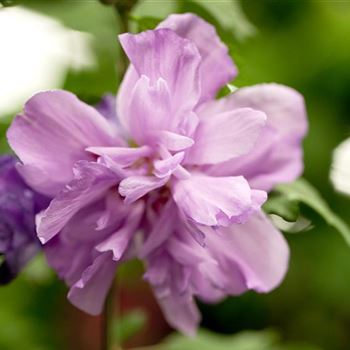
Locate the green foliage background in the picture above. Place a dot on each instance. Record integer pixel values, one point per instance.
(304, 44)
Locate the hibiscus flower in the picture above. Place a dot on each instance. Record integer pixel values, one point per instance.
(178, 182)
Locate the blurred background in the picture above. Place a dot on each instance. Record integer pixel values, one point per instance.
(300, 43)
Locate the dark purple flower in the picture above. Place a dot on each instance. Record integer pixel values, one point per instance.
(18, 207)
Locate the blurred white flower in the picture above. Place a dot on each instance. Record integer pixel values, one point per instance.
(340, 170)
(35, 53)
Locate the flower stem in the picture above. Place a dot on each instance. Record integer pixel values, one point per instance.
(123, 14)
(107, 319)
(123, 9)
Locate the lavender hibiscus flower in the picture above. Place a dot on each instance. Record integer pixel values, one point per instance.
(18, 206)
(182, 190)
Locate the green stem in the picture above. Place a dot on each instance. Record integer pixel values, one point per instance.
(123, 9)
(123, 13)
(107, 318)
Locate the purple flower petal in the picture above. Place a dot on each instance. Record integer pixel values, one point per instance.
(170, 282)
(108, 107)
(181, 312)
(277, 156)
(91, 182)
(284, 107)
(215, 200)
(52, 134)
(274, 161)
(150, 109)
(225, 136)
(161, 230)
(18, 206)
(217, 67)
(118, 242)
(167, 56)
(174, 142)
(90, 292)
(124, 156)
(135, 187)
(165, 167)
(257, 248)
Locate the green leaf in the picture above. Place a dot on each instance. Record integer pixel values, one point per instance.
(4, 124)
(230, 16)
(127, 326)
(284, 207)
(151, 8)
(206, 340)
(303, 192)
(247, 340)
(38, 271)
(6, 3)
(145, 22)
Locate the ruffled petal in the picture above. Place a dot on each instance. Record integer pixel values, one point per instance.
(277, 156)
(161, 54)
(217, 67)
(68, 259)
(274, 162)
(52, 134)
(91, 182)
(181, 313)
(256, 247)
(162, 228)
(135, 187)
(216, 201)
(170, 282)
(123, 156)
(73, 250)
(150, 109)
(173, 142)
(119, 241)
(90, 292)
(165, 167)
(284, 107)
(225, 136)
